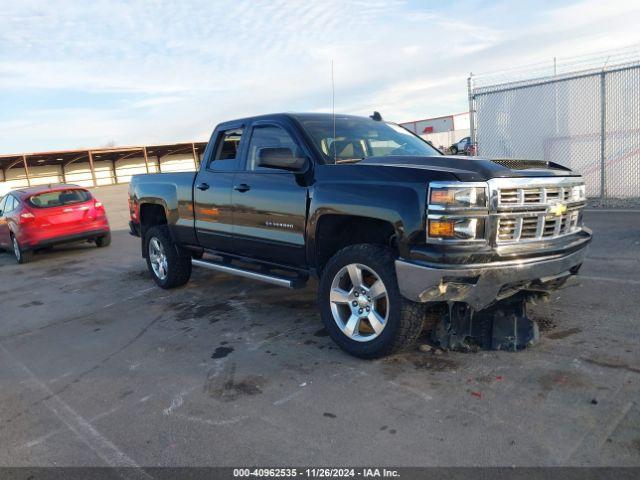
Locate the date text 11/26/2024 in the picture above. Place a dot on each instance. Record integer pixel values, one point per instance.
(315, 472)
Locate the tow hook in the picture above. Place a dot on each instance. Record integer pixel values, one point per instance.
(502, 326)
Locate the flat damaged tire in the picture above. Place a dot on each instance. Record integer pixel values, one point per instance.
(361, 305)
(168, 264)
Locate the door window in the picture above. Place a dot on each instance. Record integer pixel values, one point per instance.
(10, 205)
(2, 204)
(227, 153)
(268, 136)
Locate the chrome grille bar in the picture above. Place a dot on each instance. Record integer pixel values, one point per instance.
(535, 209)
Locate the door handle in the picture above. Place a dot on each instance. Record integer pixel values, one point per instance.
(203, 186)
(243, 187)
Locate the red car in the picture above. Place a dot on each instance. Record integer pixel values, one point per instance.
(39, 217)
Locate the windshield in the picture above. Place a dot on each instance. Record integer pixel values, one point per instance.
(360, 138)
(60, 198)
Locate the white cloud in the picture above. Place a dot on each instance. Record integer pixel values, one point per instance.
(176, 68)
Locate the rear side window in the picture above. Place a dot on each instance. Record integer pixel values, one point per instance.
(229, 145)
(10, 204)
(60, 198)
(227, 154)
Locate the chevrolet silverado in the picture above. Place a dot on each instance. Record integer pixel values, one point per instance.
(400, 237)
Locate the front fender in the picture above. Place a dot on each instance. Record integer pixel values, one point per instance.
(400, 205)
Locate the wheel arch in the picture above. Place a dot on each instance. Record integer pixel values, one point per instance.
(151, 213)
(336, 231)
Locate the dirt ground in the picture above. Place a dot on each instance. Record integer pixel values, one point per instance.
(98, 367)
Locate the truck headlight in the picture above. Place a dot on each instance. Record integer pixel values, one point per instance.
(458, 197)
(457, 212)
(456, 228)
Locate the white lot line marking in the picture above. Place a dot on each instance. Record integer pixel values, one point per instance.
(176, 403)
(178, 400)
(92, 420)
(87, 433)
(608, 279)
(415, 391)
(213, 423)
(64, 375)
(291, 396)
(47, 436)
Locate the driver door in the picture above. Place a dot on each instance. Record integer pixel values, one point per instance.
(270, 205)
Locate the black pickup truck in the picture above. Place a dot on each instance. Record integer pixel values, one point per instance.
(400, 236)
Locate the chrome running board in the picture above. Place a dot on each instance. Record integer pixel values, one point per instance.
(253, 275)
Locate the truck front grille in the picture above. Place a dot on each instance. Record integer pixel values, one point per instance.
(540, 227)
(537, 209)
(538, 195)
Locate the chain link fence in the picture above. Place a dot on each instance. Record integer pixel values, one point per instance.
(588, 121)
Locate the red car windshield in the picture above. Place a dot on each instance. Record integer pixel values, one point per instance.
(59, 198)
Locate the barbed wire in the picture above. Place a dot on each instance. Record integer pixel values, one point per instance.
(555, 67)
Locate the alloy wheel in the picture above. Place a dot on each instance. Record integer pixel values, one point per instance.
(359, 302)
(16, 249)
(158, 258)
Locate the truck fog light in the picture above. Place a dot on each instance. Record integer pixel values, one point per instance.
(442, 228)
(457, 229)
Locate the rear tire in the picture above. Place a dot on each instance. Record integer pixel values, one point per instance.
(21, 256)
(104, 241)
(169, 265)
(400, 320)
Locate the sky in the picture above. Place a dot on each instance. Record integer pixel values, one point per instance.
(79, 74)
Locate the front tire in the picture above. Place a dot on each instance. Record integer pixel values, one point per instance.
(21, 256)
(168, 264)
(361, 305)
(454, 150)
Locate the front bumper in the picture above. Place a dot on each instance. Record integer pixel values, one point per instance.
(479, 285)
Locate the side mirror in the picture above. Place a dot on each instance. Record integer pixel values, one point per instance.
(283, 159)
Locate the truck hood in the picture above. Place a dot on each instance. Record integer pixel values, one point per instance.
(474, 169)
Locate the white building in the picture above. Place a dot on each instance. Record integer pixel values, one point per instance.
(441, 131)
(97, 166)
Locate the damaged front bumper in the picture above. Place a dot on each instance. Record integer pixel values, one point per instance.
(479, 285)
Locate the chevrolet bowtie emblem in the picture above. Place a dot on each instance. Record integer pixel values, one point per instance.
(558, 209)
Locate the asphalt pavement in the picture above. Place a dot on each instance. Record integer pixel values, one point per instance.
(98, 367)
